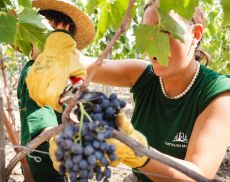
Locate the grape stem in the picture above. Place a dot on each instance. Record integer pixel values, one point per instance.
(83, 114)
(83, 111)
(81, 122)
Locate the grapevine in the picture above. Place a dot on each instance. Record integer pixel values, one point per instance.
(82, 149)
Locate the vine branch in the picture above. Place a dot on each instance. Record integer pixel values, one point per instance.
(99, 62)
(138, 148)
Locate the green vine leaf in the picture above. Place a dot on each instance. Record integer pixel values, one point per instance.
(185, 8)
(169, 24)
(226, 8)
(92, 5)
(150, 41)
(4, 3)
(110, 16)
(25, 3)
(30, 31)
(8, 29)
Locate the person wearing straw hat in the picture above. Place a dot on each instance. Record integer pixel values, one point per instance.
(59, 60)
(73, 29)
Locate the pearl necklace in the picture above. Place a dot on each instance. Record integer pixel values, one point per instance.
(188, 87)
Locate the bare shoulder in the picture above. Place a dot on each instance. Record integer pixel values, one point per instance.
(211, 137)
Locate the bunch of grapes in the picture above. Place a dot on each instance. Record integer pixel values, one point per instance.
(82, 149)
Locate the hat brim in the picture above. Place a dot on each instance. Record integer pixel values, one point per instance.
(85, 30)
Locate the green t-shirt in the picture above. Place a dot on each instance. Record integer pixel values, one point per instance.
(168, 123)
(33, 120)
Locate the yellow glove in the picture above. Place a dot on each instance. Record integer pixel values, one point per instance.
(124, 153)
(49, 74)
(52, 150)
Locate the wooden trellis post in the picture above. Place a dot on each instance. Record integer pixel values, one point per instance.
(2, 141)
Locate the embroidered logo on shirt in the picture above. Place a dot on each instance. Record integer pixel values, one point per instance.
(179, 141)
(181, 137)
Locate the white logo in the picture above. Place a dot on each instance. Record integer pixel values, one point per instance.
(181, 137)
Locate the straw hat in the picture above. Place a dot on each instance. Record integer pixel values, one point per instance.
(85, 29)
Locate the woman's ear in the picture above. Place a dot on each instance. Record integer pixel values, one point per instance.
(198, 32)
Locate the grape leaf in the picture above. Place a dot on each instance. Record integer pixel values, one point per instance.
(102, 22)
(111, 15)
(150, 41)
(25, 3)
(4, 3)
(8, 29)
(30, 30)
(185, 8)
(226, 8)
(92, 5)
(209, 1)
(169, 24)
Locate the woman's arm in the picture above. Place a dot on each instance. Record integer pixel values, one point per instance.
(207, 146)
(122, 73)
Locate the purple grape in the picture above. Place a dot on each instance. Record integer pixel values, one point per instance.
(105, 103)
(83, 173)
(76, 168)
(97, 109)
(122, 103)
(92, 160)
(77, 159)
(116, 104)
(59, 154)
(107, 172)
(98, 155)
(83, 164)
(68, 144)
(88, 150)
(96, 144)
(73, 176)
(62, 169)
(113, 157)
(109, 112)
(76, 149)
(99, 176)
(104, 161)
(98, 117)
(100, 136)
(113, 97)
(68, 164)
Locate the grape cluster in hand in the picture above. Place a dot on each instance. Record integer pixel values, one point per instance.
(82, 150)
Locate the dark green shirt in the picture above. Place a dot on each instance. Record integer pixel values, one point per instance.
(33, 120)
(167, 123)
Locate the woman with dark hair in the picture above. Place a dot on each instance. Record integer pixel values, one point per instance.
(180, 109)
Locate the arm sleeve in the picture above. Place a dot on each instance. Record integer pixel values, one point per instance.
(39, 118)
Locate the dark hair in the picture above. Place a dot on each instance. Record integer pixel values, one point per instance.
(59, 17)
(198, 17)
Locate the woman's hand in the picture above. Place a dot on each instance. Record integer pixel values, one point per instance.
(124, 153)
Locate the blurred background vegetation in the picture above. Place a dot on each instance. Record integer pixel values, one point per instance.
(216, 39)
